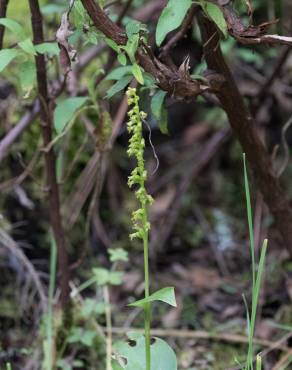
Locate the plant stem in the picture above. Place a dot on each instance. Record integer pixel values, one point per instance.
(50, 325)
(147, 309)
(108, 319)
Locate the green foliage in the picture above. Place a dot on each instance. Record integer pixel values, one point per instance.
(159, 111)
(27, 75)
(27, 46)
(119, 86)
(257, 274)
(105, 277)
(137, 73)
(214, 12)
(65, 111)
(13, 26)
(118, 255)
(6, 56)
(50, 48)
(171, 18)
(165, 295)
(79, 335)
(162, 356)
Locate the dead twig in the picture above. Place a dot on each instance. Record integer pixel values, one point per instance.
(200, 334)
(12, 247)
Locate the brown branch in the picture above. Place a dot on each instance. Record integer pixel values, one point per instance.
(174, 81)
(50, 159)
(3, 10)
(251, 34)
(244, 127)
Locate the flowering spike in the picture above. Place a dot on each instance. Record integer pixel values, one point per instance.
(139, 174)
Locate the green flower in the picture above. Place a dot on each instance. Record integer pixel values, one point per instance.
(138, 176)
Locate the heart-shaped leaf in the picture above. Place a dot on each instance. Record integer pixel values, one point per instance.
(131, 355)
(165, 295)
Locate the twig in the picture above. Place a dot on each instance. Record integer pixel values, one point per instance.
(276, 71)
(3, 10)
(16, 251)
(173, 81)
(200, 334)
(284, 361)
(14, 133)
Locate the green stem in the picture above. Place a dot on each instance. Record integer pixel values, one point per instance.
(109, 328)
(147, 309)
(50, 329)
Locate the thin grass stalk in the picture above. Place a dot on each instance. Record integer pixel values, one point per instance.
(108, 319)
(256, 274)
(250, 221)
(147, 308)
(50, 321)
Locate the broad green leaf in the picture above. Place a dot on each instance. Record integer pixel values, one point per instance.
(112, 44)
(13, 26)
(137, 72)
(171, 18)
(51, 48)
(162, 355)
(215, 13)
(27, 46)
(119, 72)
(122, 59)
(149, 81)
(165, 295)
(6, 56)
(159, 111)
(132, 27)
(118, 86)
(163, 122)
(65, 111)
(116, 366)
(157, 103)
(27, 75)
(131, 47)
